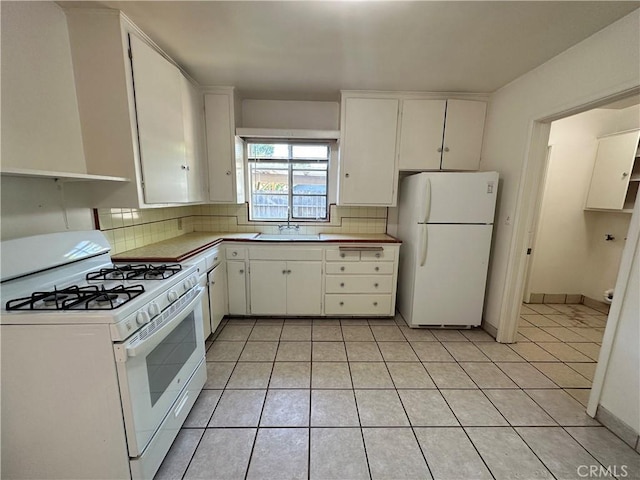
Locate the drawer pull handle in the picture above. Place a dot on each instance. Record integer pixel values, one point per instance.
(341, 303)
(375, 285)
(378, 255)
(342, 284)
(375, 304)
(342, 269)
(377, 269)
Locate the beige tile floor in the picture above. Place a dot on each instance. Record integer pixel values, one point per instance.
(351, 399)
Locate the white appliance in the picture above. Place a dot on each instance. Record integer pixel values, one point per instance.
(100, 363)
(445, 224)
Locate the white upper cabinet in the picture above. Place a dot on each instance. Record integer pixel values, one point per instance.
(225, 151)
(441, 134)
(616, 173)
(137, 120)
(159, 112)
(421, 134)
(368, 171)
(194, 141)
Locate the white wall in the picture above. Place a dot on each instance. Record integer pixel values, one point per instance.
(290, 114)
(621, 390)
(31, 206)
(570, 253)
(604, 64)
(40, 120)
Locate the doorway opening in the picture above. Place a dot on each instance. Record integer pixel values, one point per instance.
(586, 197)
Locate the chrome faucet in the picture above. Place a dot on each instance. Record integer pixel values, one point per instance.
(288, 226)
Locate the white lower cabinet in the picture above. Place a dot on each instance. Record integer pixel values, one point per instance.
(237, 287)
(314, 279)
(218, 294)
(361, 280)
(285, 287)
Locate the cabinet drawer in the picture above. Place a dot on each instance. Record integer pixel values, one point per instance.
(213, 258)
(385, 255)
(359, 284)
(357, 304)
(234, 253)
(338, 256)
(360, 268)
(286, 253)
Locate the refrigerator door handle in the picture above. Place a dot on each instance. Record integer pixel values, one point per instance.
(426, 204)
(423, 244)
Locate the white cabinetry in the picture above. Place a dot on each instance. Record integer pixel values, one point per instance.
(361, 280)
(616, 173)
(225, 151)
(147, 132)
(218, 294)
(441, 134)
(368, 173)
(283, 284)
(237, 287)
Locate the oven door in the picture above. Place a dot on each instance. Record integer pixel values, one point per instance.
(153, 370)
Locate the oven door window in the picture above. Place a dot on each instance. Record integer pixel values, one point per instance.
(165, 361)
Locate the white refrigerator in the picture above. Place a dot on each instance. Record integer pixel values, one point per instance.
(445, 224)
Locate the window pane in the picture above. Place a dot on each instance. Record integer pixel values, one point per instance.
(268, 150)
(321, 152)
(273, 180)
(310, 182)
(269, 207)
(309, 207)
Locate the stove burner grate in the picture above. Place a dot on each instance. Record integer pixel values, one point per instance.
(78, 298)
(135, 272)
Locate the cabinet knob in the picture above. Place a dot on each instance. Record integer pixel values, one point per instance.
(342, 284)
(439, 149)
(284, 272)
(341, 304)
(625, 174)
(288, 271)
(346, 175)
(375, 285)
(241, 272)
(215, 259)
(228, 172)
(183, 167)
(446, 149)
(342, 255)
(377, 269)
(378, 255)
(235, 254)
(375, 304)
(342, 269)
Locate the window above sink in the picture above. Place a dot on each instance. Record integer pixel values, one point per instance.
(288, 180)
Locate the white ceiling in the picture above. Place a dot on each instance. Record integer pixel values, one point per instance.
(308, 50)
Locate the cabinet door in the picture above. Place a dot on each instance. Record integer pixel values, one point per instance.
(304, 288)
(193, 113)
(368, 154)
(158, 97)
(237, 287)
(220, 147)
(463, 135)
(206, 313)
(612, 170)
(217, 295)
(268, 280)
(421, 132)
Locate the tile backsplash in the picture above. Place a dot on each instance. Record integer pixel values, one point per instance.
(128, 228)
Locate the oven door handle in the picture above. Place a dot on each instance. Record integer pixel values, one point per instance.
(152, 341)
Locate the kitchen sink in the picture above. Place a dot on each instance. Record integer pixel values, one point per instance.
(287, 237)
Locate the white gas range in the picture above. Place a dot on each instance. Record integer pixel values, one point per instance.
(100, 363)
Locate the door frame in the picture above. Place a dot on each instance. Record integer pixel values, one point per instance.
(529, 201)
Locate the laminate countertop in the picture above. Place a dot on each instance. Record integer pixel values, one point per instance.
(179, 249)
